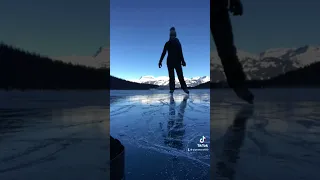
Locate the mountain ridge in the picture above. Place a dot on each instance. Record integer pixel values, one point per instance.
(269, 63)
(41, 72)
(304, 77)
(164, 80)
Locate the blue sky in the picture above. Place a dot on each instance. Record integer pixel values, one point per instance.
(56, 28)
(140, 28)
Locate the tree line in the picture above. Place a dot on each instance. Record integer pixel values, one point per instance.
(24, 70)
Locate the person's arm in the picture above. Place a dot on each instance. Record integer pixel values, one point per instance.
(164, 51)
(181, 54)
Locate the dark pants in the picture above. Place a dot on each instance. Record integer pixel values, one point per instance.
(221, 30)
(179, 71)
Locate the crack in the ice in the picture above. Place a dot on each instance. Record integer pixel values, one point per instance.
(35, 148)
(121, 110)
(34, 162)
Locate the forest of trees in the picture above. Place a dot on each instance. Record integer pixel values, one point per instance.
(23, 70)
(308, 76)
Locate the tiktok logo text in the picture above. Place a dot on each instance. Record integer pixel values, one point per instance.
(202, 140)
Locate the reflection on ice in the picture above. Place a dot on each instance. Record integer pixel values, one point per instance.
(175, 126)
(279, 141)
(234, 139)
(153, 122)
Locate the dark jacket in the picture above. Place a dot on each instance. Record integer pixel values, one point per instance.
(175, 55)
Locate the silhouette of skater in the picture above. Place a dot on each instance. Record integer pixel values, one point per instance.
(175, 124)
(221, 30)
(234, 138)
(174, 61)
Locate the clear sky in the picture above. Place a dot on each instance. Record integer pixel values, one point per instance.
(56, 28)
(277, 24)
(140, 28)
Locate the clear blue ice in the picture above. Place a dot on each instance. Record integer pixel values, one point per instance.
(161, 133)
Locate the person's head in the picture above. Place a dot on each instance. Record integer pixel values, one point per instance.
(173, 33)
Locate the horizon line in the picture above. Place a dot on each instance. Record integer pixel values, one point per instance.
(158, 76)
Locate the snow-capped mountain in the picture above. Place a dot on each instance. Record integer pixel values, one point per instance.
(164, 80)
(269, 63)
(100, 59)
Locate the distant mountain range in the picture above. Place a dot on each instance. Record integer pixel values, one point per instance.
(164, 81)
(262, 66)
(23, 70)
(101, 59)
(121, 84)
(305, 77)
(270, 63)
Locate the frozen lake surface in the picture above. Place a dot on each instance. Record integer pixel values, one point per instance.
(161, 133)
(54, 135)
(278, 138)
(65, 135)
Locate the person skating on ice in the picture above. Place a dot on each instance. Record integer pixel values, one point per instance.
(175, 61)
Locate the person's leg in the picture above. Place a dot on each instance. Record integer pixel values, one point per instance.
(221, 30)
(181, 78)
(171, 78)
